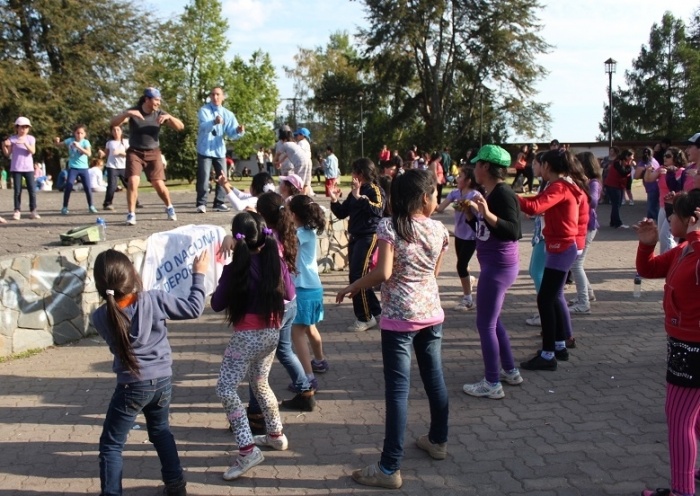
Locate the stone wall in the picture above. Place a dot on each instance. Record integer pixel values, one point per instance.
(46, 299)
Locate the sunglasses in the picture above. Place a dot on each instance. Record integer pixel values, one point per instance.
(23, 127)
(668, 155)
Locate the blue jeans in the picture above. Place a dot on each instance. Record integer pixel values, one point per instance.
(203, 172)
(396, 355)
(286, 356)
(31, 189)
(653, 204)
(615, 196)
(84, 176)
(152, 397)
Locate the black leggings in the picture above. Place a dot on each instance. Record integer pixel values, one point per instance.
(465, 250)
(529, 177)
(551, 309)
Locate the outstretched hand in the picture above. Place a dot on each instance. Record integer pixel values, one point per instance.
(226, 247)
(200, 265)
(647, 232)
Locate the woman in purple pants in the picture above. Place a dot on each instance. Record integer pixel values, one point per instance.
(497, 227)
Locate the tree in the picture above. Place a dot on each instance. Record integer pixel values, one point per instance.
(660, 87)
(67, 62)
(439, 58)
(190, 61)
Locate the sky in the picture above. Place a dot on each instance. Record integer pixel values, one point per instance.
(583, 34)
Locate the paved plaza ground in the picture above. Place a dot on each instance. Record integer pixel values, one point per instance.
(594, 427)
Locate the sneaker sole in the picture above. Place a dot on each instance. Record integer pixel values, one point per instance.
(357, 477)
(513, 382)
(492, 396)
(230, 478)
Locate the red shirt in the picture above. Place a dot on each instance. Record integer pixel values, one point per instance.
(681, 268)
(615, 178)
(385, 155)
(565, 209)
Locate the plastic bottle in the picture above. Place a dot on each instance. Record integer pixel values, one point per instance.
(103, 228)
(637, 286)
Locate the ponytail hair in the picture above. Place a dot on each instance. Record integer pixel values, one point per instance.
(309, 213)
(250, 234)
(116, 277)
(278, 217)
(565, 162)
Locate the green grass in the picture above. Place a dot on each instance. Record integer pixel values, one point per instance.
(24, 354)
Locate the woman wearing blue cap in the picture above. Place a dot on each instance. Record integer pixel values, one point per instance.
(143, 154)
(497, 227)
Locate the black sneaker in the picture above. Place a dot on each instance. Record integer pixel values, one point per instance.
(539, 363)
(178, 488)
(302, 401)
(562, 355)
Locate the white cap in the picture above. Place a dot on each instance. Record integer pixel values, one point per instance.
(23, 121)
(693, 140)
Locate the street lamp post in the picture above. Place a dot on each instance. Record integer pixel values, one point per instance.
(361, 96)
(610, 65)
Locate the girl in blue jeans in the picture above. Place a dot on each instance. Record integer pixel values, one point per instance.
(142, 362)
(411, 247)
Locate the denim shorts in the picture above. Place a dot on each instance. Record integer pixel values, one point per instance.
(309, 306)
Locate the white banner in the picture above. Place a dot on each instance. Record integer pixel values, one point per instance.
(169, 255)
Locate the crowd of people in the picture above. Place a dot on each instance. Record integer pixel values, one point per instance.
(272, 294)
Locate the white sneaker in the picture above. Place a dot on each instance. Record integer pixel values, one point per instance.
(484, 389)
(534, 321)
(131, 219)
(631, 202)
(171, 213)
(35, 215)
(359, 326)
(244, 463)
(579, 308)
(17, 215)
(464, 305)
(512, 377)
(278, 443)
(201, 209)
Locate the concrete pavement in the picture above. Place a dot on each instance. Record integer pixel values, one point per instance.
(596, 426)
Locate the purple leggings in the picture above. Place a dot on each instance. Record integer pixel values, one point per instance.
(494, 281)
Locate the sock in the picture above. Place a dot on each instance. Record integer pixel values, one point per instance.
(547, 355)
(310, 376)
(385, 471)
(560, 345)
(246, 450)
(467, 298)
(275, 436)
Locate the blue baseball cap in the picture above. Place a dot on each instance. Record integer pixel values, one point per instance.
(304, 132)
(151, 93)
